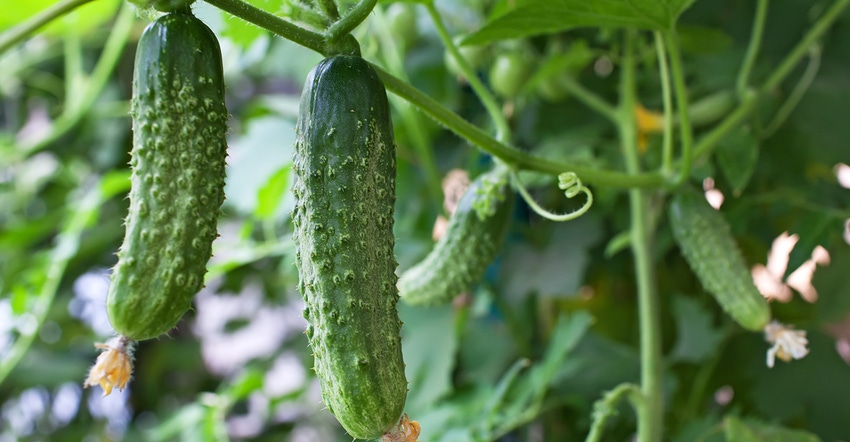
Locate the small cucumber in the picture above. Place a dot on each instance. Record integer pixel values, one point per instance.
(471, 242)
(179, 150)
(707, 244)
(345, 191)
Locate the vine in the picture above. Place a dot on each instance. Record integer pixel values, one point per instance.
(570, 183)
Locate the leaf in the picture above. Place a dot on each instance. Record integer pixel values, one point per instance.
(737, 430)
(270, 195)
(429, 344)
(737, 155)
(536, 17)
(833, 291)
(808, 390)
(696, 338)
(703, 39)
(85, 19)
(558, 269)
(566, 336)
(255, 157)
(242, 33)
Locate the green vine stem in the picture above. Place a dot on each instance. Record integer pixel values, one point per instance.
(503, 130)
(74, 74)
(513, 157)
(606, 407)
(351, 20)
(77, 108)
(667, 98)
(570, 183)
(19, 33)
(796, 94)
(705, 145)
(686, 134)
(651, 413)
(742, 83)
(272, 23)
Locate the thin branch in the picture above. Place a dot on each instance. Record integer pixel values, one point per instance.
(22, 31)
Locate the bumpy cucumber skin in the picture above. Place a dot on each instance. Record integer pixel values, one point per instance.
(178, 159)
(461, 256)
(343, 216)
(707, 244)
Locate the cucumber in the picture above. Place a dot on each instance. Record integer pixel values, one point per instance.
(706, 242)
(177, 183)
(471, 242)
(343, 216)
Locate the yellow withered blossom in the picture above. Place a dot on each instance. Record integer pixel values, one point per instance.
(113, 366)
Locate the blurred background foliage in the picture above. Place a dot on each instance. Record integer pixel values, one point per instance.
(528, 351)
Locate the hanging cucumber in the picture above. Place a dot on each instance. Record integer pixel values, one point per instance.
(707, 244)
(472, 240)
(177, 188)
(179, 150)
(343, 216)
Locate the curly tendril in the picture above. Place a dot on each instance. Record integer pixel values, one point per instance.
(571, 184)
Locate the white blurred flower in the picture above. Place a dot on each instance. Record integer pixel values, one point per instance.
(787, 343)
(768, 278)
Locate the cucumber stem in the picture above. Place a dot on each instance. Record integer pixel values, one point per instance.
(272, 23)
(351, 20)
(650, 411)
(742, 82)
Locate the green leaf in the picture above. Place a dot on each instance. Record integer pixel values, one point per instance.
(255, 157)
(536, 17)
(187, 417)
(242, 33)
(566, 336)
(703, 39)
(248, 382)
(270, 195)
(808, 390)
(753, 431)
(696, 337)
(833, 290)
(558, 269)
(85, 19)
(737, 155)
(429, 372)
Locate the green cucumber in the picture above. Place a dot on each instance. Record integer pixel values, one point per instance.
(472, 240)
(706, 242)
(345, 191)
(179, 150)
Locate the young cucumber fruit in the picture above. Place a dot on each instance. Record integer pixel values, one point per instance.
(707, 244)
(345, 191)
(472, 240)
(179, 149)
